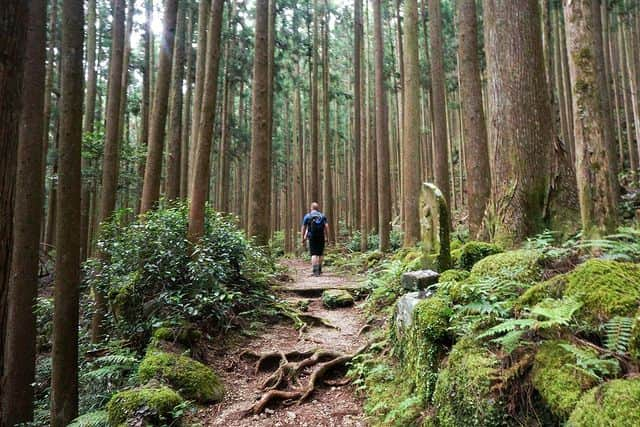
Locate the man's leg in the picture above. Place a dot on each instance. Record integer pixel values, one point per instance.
(320, 259)
(314, 264)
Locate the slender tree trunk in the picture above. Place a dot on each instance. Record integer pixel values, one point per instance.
(315, 186)
(201, 172)
(327, 177)
(593, 165)
(151, 187)
(175, 120)
(19, 272)
(64, 373)
(185, 166)
(518, 108)
(382, 134)
(440, 138)
(259, 185)
(146, 91)
(357, 112)
(411, 132)
(473, 119)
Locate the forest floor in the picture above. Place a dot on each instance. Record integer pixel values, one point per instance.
(329, 405)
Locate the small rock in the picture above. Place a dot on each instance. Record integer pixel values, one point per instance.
(269, 411)
(291, 415)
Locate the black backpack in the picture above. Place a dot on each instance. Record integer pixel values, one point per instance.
(316, 224)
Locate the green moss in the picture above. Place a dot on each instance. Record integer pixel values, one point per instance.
(153, 403)
(521, 265)
(163, 334)
(194, 380)
(453, 276)
(634, 342)
(463, 394)
(334, 298)
(125, 299)
(615, 403)
(474, 251)
(606, 289)
(560, 385)
(455, 256)
(552, 288)
(186, 334)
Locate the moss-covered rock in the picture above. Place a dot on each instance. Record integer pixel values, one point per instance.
(474, 251)
(186, 334)
(634, 342)
(463, 394)
(334, 298)
(605, 288)
(552, 288)
(559, 384)
(453, 276)
(125, 299)
(522, 265)
(615, 404)
(191, 378)
(153, 404)
(424, 345)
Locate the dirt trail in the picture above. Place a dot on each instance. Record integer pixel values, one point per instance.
(330, 405)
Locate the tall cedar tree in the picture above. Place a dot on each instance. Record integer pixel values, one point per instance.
(64, 363)
(411, 128)
(20, 357)
(439, 101)
(315, 185)
(327, 178)
(382, 133)
(598, 210)
(153, 168)
(259, 182)
(110, 159)
(13, 15)
(201, 173)
(518, 114)
(357, 101)
(473, 119)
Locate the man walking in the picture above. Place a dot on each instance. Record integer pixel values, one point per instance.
(315, 228)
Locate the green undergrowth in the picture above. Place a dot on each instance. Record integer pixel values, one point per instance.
(545, 334)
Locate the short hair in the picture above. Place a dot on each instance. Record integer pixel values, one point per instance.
(315, 206)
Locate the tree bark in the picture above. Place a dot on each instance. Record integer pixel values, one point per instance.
(20, 350)
(473, 119)
(146, 92)
(64, 372)
(151, 187)
(411, 130)
(327, 156)
(201, 172)
(519, 111)
(593, 164)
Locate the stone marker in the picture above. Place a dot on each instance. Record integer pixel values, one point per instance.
(435, 222)
(404, 309)
(419, 280)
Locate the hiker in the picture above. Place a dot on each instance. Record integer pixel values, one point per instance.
(315, 228)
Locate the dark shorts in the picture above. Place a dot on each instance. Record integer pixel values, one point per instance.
(316, 247)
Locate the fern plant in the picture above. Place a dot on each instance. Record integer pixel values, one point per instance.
(92, 419)
(591, 364)
(547, 314)
(622, 246)
(618, 332)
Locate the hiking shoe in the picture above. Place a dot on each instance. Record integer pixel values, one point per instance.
(316, 270)
(319, 269)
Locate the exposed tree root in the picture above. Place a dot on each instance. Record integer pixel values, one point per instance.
(286, 383)
(303, 320)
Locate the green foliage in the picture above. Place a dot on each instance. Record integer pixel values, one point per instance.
(588, 362)
(606, 289)
(555, 376)
(615, 403)
(473, 251)
(148, 404)
(521, 265)
(547, 314)
(622, 246)
(373, 241)
(335, 298)
(619, 333)
(152, 273)
(453, 276)
(463, 393)
(552, 288)
(191, 378)
(92, 419)
(44, 323)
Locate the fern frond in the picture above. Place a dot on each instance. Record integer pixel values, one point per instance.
(618, 331)
(92, 419)
(507, 326)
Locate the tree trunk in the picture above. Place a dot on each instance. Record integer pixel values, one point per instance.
(315, 186)
(146, 92)
(439, 101)
(22, 285)
(519, 110)
(357, 103)
(593, 165)
(382, 134)
(473, 119)
(185, 166)
(327, 177)
(151, 187)
(64, 363)
(259, 184)
(201, 172)
(175, 120)
(411, 130)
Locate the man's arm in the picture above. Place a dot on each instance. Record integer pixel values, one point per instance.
(326, 231)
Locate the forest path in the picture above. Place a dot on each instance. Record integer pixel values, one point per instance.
(329, 405)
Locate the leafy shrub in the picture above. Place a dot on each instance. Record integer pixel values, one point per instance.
(152, 273)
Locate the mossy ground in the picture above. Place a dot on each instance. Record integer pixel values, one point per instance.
(191, 378)
(154, 404)
(615, 403)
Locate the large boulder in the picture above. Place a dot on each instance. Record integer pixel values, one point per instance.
(194, 380)
(615, 404)
(147, 405)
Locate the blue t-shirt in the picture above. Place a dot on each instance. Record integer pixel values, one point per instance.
(306, 221)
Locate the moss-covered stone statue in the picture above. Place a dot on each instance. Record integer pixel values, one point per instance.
(435, 222)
